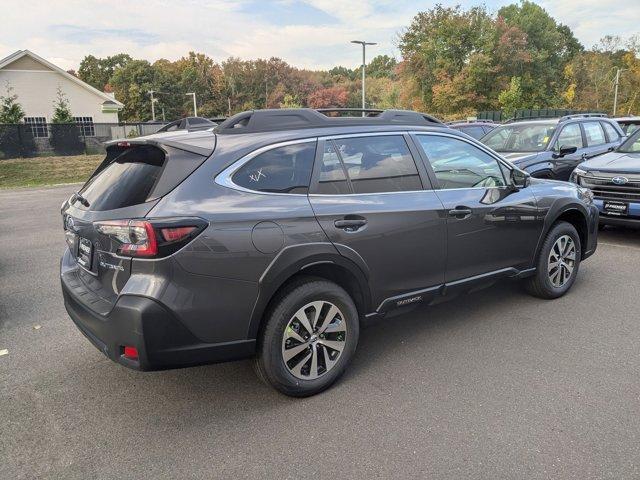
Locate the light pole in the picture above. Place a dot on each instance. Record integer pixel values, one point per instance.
(364, 63)
(195, 108)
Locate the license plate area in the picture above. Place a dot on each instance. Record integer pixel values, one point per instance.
(618, 209)
(85, 252)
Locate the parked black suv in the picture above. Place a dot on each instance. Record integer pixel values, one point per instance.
(277, 234)
(552, 148)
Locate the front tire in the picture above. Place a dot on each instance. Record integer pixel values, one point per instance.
(558, 262)
(310, 336)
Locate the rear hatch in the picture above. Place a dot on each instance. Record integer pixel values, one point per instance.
(129, 182)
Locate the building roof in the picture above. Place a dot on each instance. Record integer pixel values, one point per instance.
(27, 53)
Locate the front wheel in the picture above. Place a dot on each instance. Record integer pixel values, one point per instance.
(309, 338)
(558, 262)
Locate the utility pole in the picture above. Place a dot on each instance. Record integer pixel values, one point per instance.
(195, 108)
(153, 107)
(364, 63)
(615, 95)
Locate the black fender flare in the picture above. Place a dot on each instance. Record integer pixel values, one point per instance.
(294, 259)
(555, 210)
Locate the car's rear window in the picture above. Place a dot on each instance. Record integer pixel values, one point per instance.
(127, 180)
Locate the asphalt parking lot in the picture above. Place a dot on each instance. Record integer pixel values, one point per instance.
(493, 385)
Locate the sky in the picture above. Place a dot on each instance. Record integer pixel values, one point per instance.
(311, 34)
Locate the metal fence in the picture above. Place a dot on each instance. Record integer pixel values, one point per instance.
(41, 139)
(524, 113)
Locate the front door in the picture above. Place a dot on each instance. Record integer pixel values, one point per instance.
(491, 226)
(370, 199)
(570, 136)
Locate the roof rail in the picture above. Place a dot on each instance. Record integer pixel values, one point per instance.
(462, 122)
(271, 120)
(582, 115)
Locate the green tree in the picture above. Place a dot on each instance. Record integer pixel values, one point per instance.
(131, 85)
(382, 66)
(97, 72)
(65, 134)
(10, 110)
(61, 109)
(440, 47)
(511, 99)
(550, 46)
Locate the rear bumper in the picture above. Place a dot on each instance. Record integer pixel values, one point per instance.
(161, 340)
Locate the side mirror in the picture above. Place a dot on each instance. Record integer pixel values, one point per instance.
(520, 179)
(564, 150)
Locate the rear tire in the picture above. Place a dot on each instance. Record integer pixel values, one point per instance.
(310, 336)
(558, 262)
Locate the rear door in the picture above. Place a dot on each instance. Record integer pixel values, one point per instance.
(491, 226)
(373, 200)
(595, 139)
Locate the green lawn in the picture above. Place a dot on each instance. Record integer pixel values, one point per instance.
(33, 172)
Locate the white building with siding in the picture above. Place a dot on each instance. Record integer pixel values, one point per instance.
(35, 81)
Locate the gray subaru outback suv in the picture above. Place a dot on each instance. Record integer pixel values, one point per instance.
(280, 233)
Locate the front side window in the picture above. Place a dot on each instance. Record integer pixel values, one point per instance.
(458, 164)
(38, 126)
(611, 132)
(377, 164)
(285, 169)
(520, 137)
(570, 136)
(594, 133)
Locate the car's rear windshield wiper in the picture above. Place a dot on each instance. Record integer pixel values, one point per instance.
(77, 196)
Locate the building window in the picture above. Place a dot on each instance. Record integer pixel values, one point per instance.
(38, 126)
(86, 126)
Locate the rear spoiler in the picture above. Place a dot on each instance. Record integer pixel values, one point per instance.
(201, 143)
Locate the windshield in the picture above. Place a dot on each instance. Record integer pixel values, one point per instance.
(631, 144)
(520, 137)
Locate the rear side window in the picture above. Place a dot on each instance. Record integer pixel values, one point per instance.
(127, 180)
(377, 164)
(285, 169)
(331, 179)
(570, 136)
(594, 133)
(611, 132)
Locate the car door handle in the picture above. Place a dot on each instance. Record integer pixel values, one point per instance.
(350, 224)
(460, 212)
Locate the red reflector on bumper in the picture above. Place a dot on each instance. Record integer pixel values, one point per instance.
(131, 352)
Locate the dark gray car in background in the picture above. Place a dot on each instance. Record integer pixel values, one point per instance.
(276, 235)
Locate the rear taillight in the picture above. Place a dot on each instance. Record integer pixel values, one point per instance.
(137, 237)
(176, 234)
(151, 238)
